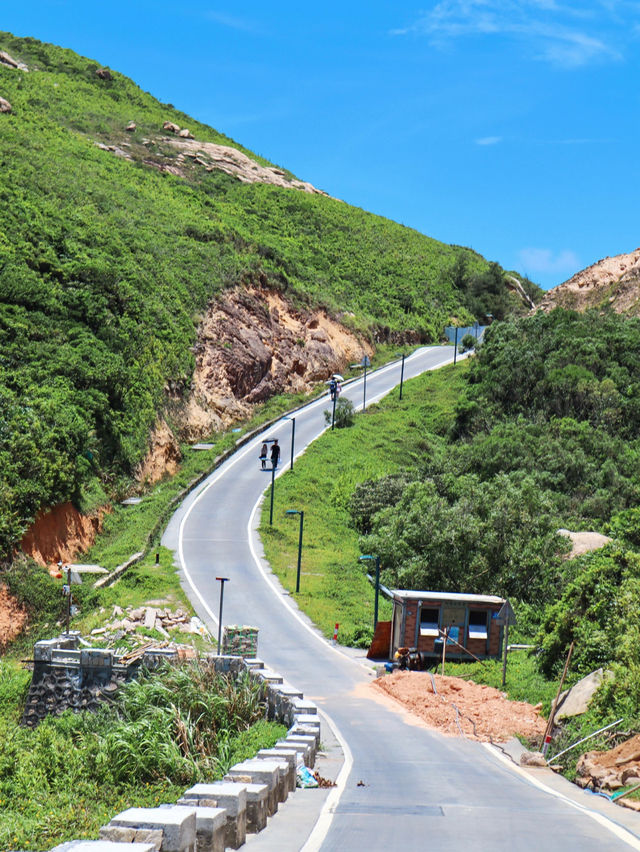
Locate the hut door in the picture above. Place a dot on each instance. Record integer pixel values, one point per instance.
(454, 617)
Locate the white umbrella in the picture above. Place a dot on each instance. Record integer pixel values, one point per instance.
(338, 377)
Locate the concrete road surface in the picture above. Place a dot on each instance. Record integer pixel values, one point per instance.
(420, 790)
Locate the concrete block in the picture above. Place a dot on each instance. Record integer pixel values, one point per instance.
(96, 658)
(42, 650)
(308, 740)
(102, 846)
(254, 663)
(285, 688)
(306, 720)
(257, 801)
(211, 828)
(231, 797)
(297, 730)
(258, 772)
(303, 706)
(178, 825)
(269, 676)
(305, 750)
(286, 756)
(65, 655)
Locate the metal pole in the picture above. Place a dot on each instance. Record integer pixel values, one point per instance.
(222, 580)
(402, 375)
(299, 552)
(455, 348)
(547, 733)
(273, 477)
(444, 648)
(364, 389)
(375, 609)
(333, 416)
(504, 657)
(68, 597)
(293, 438)
(583, 740)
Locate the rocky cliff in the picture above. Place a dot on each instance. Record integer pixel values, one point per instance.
(613, 282)
(253, 344)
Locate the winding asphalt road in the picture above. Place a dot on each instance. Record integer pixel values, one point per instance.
(421, 790)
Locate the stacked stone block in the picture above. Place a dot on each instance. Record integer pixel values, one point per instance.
(240, 640)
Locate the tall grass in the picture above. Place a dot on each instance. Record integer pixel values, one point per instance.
(165, 731)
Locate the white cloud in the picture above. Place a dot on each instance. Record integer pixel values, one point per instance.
(562, 35)
(545, 262)
(232, 22)
(489, 140)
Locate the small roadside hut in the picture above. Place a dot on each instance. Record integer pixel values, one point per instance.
(421, 618)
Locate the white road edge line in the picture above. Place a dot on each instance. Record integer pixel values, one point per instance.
(622, 833)
(224, 470)
(323, 823)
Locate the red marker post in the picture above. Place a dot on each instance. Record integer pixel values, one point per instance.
(335, 633)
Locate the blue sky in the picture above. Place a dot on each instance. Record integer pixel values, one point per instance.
(510, 126)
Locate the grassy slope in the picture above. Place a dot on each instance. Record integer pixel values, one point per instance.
(386, 439)
(106, 266)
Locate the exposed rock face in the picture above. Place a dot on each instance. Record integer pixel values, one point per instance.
(234, 162)
(5, 106)
(60, 533)
(254, 344)
(10, 62)
(163, 458)
(613, 282)
(584, 542)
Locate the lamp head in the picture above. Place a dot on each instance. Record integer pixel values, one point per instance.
(293, 512)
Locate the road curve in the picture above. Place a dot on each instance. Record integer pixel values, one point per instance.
(420, 790)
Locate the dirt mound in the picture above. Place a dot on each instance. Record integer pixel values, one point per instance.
(611, 769)
(163, 457)
(12, 617)
(483, 713)
(58, 534)
(613, 282)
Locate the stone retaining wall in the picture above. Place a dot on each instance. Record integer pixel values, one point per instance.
(218, 816)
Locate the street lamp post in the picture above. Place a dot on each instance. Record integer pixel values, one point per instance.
(375, 609)
(364, 363)
(293, 438)
(222, 580)
(455, 347)
(273, 479)
(401, 372)
(301, 513)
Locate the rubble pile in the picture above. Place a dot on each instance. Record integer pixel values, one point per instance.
(130, 620)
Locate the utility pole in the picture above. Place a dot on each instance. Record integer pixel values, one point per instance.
(301, 513)
(273, 479)
(222, 580)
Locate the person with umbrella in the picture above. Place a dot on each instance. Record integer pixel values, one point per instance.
(275, 453)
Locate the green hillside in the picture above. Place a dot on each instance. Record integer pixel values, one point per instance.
(107, 262)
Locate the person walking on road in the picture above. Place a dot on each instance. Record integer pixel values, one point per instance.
(263, 455)
(275, 453)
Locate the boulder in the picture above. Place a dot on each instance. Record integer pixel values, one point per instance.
(131, 126)
(5, 106)
(575, 701)
(171, 127)
(185, 134)
(104, 74)
(532, 758)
